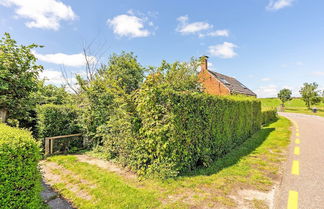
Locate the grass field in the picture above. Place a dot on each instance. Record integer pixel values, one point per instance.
(252, 166)
(296, 105)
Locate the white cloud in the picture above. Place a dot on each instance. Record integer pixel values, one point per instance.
(45, 14)
(56, 78)
(265, 79)
(129, 25)
(267, 91)
(73, 60)
(224, 33)
(188, 28)
(279, 4)
(225, 50)
(52, 76)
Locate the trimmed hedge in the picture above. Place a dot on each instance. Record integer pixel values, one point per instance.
(20, 179)
(56, 120)
(181, 131)
(269, 116)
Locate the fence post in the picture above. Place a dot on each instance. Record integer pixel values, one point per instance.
(47, 146)
(51, 146)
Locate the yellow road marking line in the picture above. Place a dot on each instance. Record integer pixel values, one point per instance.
(295, 167)
(297, 150)
(292, 200)
(297, 134)
(297, 141)
(297, 129)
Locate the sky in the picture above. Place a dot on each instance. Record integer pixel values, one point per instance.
(266, 44)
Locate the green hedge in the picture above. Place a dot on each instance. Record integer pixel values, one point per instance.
(56, 120)
(19, 175)
(181, 131)
(269, 116)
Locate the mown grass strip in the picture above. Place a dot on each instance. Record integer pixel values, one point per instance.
(109, 190)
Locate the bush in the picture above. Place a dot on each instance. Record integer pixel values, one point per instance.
(20, 182)
(56, 120)
(269, 116)
(181, 131)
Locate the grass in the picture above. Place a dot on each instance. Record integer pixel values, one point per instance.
(253, 165)
(296, 105)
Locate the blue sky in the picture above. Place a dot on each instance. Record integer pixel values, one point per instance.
(266, 44)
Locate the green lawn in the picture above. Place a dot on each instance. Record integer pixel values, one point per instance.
(253, 165)
(296, 105)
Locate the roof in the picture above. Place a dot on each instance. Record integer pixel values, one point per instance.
(232, 84)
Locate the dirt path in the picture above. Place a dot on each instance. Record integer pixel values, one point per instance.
(302, 185)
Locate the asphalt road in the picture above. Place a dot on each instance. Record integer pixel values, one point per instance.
(302, 185)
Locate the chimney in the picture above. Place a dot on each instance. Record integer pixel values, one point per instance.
(204, 61)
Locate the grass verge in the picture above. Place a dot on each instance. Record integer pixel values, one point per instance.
(296, 105)
(253, 165)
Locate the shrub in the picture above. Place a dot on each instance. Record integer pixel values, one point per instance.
(268, 115)
(20, 178)
(56, 120)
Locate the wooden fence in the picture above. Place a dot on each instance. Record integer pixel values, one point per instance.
(49, 142)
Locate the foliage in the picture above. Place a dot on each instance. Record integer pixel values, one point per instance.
(50, 94)
(181, 131)
(284, 95)
(310, 94)
(120, 131)
(108, 92)
(255, 165)
(18, 77)
(179, 76)
(56, 120)
(125, 70)
(269, 115)
(20, 178)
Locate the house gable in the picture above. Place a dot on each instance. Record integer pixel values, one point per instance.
(212, 85)
(219, 84)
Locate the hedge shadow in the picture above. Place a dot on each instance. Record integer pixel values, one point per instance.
(233, 156)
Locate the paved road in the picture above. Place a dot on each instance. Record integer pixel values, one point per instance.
(302, 185)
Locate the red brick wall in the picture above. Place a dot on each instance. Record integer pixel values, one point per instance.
(211, 85)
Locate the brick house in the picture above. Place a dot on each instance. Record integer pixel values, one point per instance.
(219, 84)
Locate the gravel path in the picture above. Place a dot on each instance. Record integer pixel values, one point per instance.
(302, 185)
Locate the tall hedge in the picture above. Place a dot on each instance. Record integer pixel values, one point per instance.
(181, 131)
(269, 115)
(56, 120)
(19, 175)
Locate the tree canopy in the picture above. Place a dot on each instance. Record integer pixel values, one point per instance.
(18, 76)
(310, 94)
(284, 95)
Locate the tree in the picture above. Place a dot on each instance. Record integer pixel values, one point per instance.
(310, 94)
(18, 77)
(50, 94)
(125, 70)
(178, 76)
(284, 95)
(109, 91)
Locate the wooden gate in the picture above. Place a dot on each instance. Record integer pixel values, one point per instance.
(49, 141)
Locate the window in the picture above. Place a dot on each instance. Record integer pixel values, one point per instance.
(225, 81)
